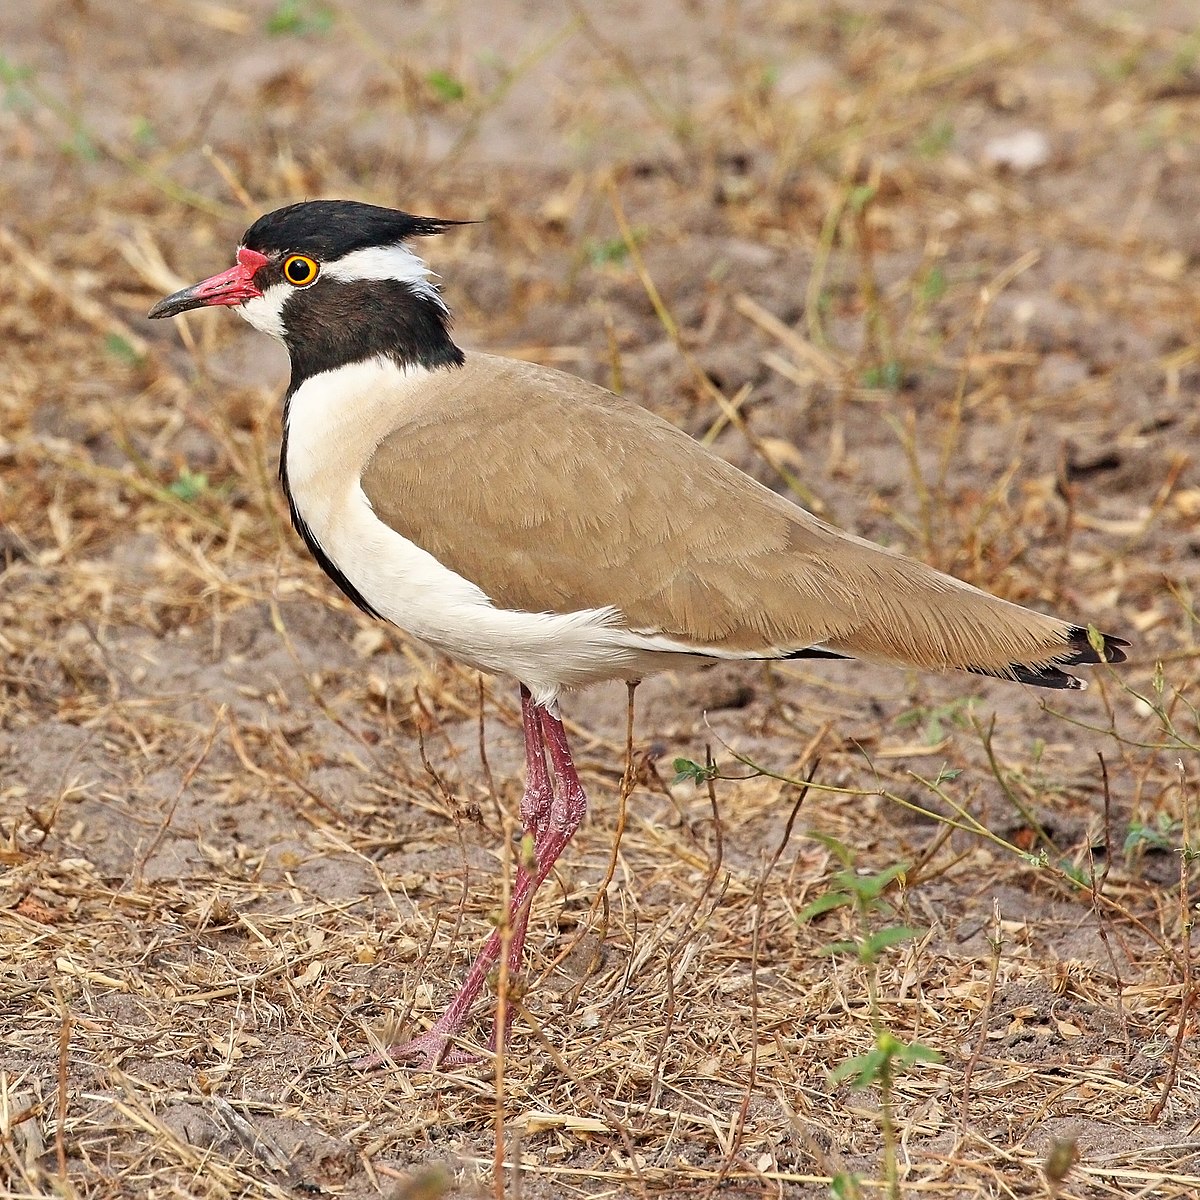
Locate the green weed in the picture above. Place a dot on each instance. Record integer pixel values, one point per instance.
(864, 895)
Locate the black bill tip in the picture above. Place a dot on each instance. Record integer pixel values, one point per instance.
(179, 302)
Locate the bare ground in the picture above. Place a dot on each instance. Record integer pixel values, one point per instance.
(940, 263)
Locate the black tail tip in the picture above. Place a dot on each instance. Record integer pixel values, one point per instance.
(1045, 677)
(1083, 647)
(1091, 646)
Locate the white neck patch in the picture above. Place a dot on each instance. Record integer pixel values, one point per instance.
(265, 312)
(385, 262)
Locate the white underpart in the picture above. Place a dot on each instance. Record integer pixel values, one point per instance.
(385, 262)
(335, 422)
(265, 312)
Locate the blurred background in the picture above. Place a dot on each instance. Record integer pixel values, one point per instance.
(931, 269)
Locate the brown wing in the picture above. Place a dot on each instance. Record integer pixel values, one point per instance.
(552, 494)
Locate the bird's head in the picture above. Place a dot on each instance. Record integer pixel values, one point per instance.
(335, 281)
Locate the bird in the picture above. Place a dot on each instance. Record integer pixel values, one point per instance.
(528, 523)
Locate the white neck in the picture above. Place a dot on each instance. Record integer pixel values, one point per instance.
(335, 421)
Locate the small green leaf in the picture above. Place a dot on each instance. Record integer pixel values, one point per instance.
(916, 1052)
(935, 717)
(888, 1043)
(1077, 875)
(143, 132)
(82, 146)
(299, 17)
(861, 1071)
(120, 348)
(933, 286)
(870, 887)
(876, 943)
(528, 852)
(686, 769)
(11, 74)
(823, 904)
(832, 948)
(1162, 835)
(839, 850)
(845, 1185)
(888, 376)
(936, 140)
(445, 86)
(189, 485)
(861, 196)
(614, 250)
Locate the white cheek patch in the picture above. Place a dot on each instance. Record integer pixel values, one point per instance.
(265, 312)
(385, 262)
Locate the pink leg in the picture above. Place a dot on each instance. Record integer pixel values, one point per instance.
(536, 806)
(539, 795)
(552, 820)
(553, 826)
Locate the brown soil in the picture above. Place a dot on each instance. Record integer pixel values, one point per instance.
(943, 260)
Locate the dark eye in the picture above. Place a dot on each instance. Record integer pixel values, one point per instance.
(300, 270)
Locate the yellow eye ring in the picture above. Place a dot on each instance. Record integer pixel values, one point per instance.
(300, 270)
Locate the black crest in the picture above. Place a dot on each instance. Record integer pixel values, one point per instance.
(328, 229)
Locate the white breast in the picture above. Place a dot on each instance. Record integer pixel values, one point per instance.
(335, 422)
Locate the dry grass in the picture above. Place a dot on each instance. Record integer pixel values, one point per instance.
(244, 832)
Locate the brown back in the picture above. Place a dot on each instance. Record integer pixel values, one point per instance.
(554, 495)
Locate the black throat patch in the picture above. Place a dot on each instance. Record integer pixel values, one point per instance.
(334, 323)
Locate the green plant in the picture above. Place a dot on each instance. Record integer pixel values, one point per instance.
(189, 486)
(121, 348)
(936, 139)
(888, 375)
(933, 719)
(612, 250)
(931, 286)
(1163, 834)
(299, 17)
(864, 895)
(446, 87)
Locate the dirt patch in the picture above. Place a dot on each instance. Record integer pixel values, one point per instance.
(943, 263)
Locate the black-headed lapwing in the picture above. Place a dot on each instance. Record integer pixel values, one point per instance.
(530, 524)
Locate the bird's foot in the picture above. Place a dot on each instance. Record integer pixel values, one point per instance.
(431, 1051)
